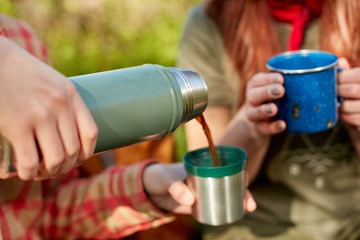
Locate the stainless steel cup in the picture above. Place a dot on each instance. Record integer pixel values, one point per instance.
(219, 191)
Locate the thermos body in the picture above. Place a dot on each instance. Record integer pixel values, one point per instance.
(137, 104)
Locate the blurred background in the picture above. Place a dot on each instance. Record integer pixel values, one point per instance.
(86, 36)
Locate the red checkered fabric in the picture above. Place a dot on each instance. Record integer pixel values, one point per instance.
(24, 36)
(109, 205)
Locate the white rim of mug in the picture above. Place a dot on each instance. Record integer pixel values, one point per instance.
(300, 71)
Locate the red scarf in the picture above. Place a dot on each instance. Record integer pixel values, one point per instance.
(298, 13)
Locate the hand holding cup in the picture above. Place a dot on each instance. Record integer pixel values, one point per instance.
(262, 90)
(310, 103)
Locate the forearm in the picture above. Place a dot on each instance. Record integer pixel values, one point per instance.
(242, 133)
(5, 48)
(110, 205)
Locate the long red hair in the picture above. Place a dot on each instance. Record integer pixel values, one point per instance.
(250, 38)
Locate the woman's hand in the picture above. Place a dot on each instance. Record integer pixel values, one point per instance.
(253, 124)
(349, 90)
(165, 186)
(261, 89)
(42, 115)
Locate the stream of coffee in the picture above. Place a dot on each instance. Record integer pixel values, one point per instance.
(214, 155)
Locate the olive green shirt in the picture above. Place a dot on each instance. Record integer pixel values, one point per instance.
(309, 185)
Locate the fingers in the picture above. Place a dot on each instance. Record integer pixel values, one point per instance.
(260, 95)
(263, 79)
(57, 135)
(271, 128)
(349, 80)
(261, 90)
(174, 182)
(349, 90)
(349, 76)
(264, 87)
(51, 148)
(249, 202)
(86, 127)
(262, 112)
(70, 139)
(181, 193)
(350, 112)
(353, 119)
(182, 198)
(77, 132)
(350, 106)
(344, 64)
(166, 189)
(263, 116)
(25, 153)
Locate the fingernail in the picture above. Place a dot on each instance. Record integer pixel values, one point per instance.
(268, 108)
(275, 90)
(279, 126)
(276, 79)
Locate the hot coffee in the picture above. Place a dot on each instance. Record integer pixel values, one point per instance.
(214, 155)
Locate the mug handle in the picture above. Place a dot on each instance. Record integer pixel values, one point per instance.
(340, 99)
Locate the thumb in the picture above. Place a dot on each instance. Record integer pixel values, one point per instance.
(181, 193)
(249, 202)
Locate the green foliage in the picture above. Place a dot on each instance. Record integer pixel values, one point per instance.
(8, 7)
(85, 36)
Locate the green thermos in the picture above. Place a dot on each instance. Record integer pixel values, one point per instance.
(136, 104)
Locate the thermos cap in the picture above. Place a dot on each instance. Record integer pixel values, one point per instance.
(194, 92)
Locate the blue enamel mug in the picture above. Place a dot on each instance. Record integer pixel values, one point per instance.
(310, 103)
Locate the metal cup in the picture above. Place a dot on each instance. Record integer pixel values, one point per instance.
(219, 191)
(310, 103)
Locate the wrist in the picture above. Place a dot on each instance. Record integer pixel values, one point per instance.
(147, 177)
